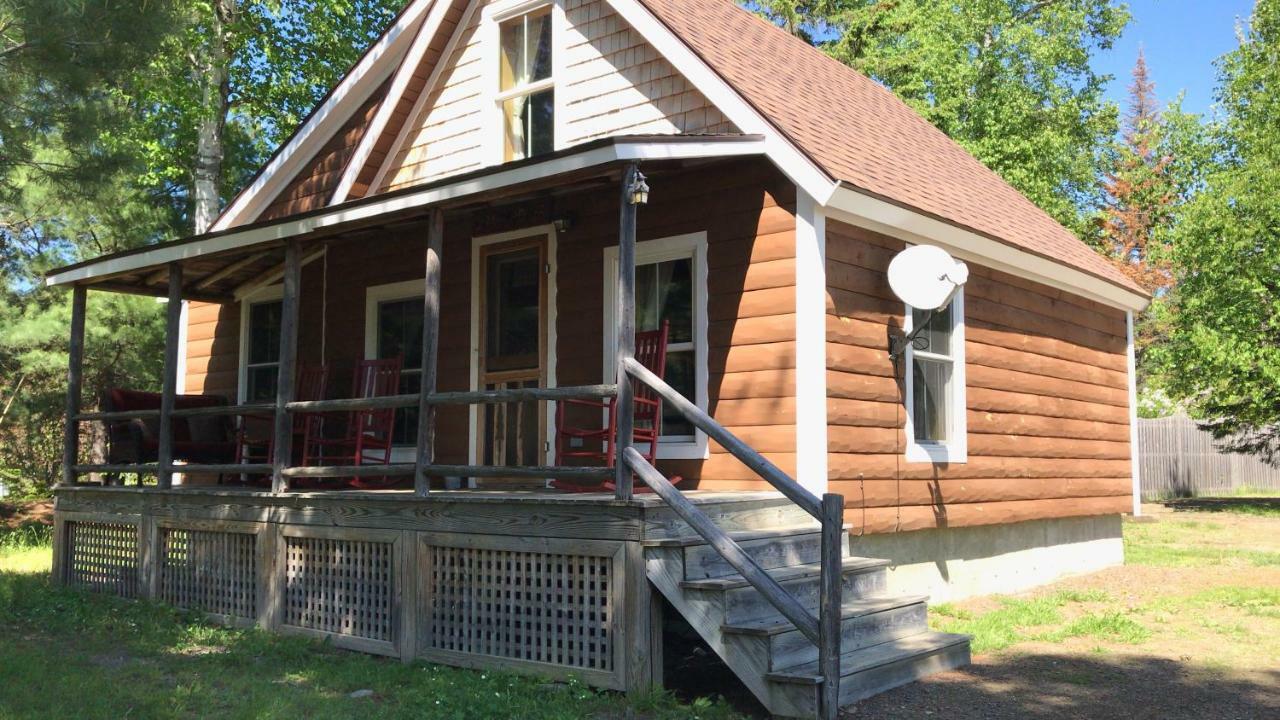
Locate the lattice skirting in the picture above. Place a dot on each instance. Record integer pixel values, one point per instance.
(341, 584)
(554, 603)
(102, 556)
(211, 571)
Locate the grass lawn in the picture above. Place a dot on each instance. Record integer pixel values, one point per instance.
(1188, 628)
(76, 655)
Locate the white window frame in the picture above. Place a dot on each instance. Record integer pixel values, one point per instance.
(492, 17)
(375, 295)
(956, 448)
(272, 293)
(694, 246)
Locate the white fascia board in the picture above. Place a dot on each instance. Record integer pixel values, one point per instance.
(811, 344)
(1132, 368)
(355, 88)
(408, 66)
(862, 210)
(790, 160)
(618, 151)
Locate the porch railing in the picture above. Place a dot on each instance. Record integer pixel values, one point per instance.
(821, 628)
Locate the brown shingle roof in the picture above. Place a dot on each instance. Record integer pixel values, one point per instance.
(862, 134)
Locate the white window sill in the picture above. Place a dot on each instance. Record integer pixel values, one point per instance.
(937, 453)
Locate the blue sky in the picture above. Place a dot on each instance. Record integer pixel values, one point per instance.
(1181, 39)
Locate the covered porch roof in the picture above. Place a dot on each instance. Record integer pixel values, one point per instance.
(221, 266)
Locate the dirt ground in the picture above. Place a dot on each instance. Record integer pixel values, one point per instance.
(15, 515)
(1192, 631)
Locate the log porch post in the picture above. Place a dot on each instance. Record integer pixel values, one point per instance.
(169, 388)
(282, 438)
(626, 319)
(75, 379)
(430, 352)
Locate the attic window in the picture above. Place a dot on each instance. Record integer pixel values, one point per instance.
(526, 89)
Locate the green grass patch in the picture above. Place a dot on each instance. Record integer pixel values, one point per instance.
(30, 535)
(1016, 620)
(1182, 543)
(75, 654)
(1115, 626)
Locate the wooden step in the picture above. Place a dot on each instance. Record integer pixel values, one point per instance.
(871, 670)
(862, 578)
(864, 623)
(773, 551)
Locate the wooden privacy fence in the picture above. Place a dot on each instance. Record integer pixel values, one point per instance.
(1178, 459)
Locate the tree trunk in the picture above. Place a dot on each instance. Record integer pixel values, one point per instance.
(215, 90)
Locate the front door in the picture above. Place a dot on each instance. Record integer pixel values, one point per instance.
(512, 350)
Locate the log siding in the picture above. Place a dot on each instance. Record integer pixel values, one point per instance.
(1047, 401)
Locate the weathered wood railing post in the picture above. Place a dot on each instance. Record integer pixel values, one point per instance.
(75, 379)
(430, 353)
(169, 388)
(626, 325)
(831, 559)
(282, 441)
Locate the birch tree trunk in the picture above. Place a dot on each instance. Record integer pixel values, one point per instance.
(215, 91)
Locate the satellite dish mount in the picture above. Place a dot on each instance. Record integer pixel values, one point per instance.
(926, 278)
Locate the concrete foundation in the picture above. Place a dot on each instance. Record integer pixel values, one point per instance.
(954, 563)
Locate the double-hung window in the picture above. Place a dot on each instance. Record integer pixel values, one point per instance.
(936, 425)
(671, 286)
(526, 84)
(260, 346)
(394, 315)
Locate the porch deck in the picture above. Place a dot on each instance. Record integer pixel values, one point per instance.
(535, 581)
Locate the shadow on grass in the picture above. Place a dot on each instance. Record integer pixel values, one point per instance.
(1016, 686)
(1269, 506)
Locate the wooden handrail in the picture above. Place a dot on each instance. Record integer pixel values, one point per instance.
(477, 397)
(212, 410)
(728, 549)
(745, 454)
(822, 630)
(404, 469)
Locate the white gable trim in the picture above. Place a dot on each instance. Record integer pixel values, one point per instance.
(355, 89)
(794, 163)
(872, 213)
(426, 35)
(427, 90)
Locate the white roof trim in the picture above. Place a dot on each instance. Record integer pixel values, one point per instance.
(862, 210)
(410, 123)
(622, 150)
(426, 34)
(354, 89)
(789, 158)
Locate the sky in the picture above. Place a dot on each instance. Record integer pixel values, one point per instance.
(1181, 39)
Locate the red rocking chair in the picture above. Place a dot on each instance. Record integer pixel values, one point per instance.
(311, 383)
(594, 445)
(369, 434)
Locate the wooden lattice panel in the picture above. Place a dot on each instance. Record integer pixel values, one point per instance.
(216, 572)
(339, 586)
(103, 557)
(531, 606)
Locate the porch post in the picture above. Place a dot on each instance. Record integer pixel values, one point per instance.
(430, 351)
(626, 319)
(75, 377)
(169, 389)
(282, 441)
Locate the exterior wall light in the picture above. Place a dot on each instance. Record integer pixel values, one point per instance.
(639, 190)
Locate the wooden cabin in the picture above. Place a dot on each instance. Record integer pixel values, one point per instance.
(501, 196)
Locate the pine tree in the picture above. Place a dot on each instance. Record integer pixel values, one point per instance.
(1139, 195)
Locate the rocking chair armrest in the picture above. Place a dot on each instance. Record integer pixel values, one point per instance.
(596, 404)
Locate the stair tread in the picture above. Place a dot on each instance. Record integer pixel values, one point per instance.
(864, 659)
(850, 609)
(741, 535)
(782, 574)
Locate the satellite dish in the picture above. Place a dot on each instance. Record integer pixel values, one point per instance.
(926, 277)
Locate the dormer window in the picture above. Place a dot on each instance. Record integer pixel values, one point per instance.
(526, 89)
